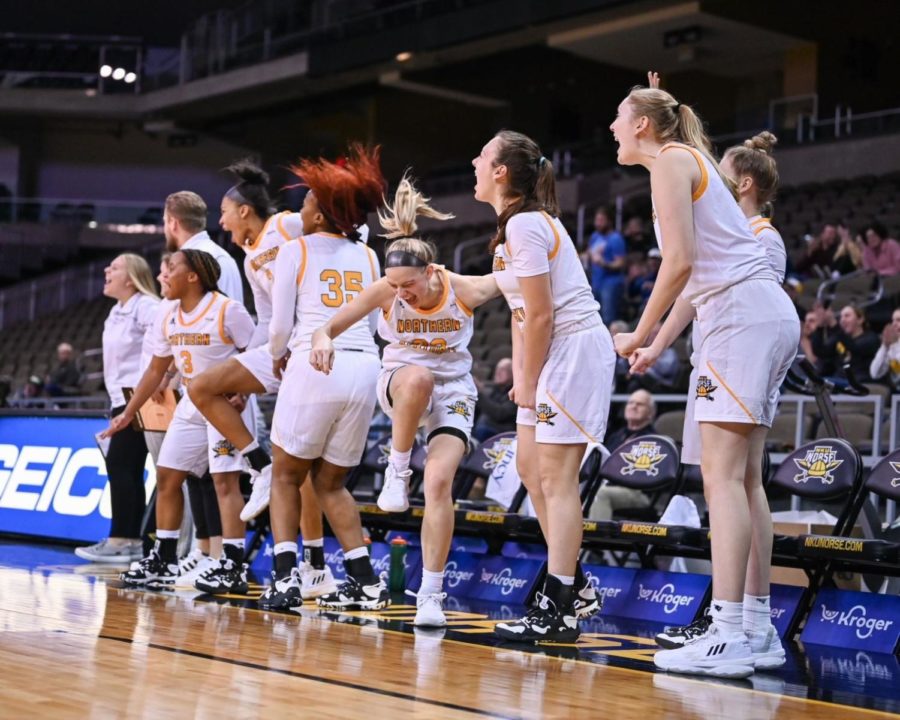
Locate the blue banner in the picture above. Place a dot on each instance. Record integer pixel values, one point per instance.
(613, 585)
(460, 574)
(847, 669)
(784, 601)
(53, 480)
(666, 597)
(502, 579)
(848, 619)
(532, 551)
(380, 556)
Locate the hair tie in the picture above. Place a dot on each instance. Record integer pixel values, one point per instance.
(402, 258)
(676, 108)
(233, 193)
(542, 161)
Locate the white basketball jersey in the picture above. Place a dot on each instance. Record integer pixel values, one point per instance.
(332, 272)
(437, 339)
(537, 244)
(259, 264)
(772, 243)
(207, 336)
(725, 250)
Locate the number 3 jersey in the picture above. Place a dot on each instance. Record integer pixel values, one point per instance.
(315, 276)
(205, 337)
(437, 338)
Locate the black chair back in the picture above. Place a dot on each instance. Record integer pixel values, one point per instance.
(647, 462)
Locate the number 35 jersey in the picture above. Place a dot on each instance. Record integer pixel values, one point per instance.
(315, 276)
(437, 338)
(205, 337)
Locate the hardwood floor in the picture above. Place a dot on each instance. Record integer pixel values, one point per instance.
(75, 647)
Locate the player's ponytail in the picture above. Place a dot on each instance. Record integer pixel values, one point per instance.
(250, 188)
(206, 268)
(753, 158)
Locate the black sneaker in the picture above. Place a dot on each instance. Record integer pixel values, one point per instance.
(587, 602)
(227, 577)
(282, 594)
(353, 595)
(152, 570)
(677, 635)
(544, 622)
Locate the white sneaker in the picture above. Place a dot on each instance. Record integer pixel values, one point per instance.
(394, 495)
(190, 561)
(709, 654)
(768, 652)
(105, 552)
(315, 583)
(205, 564)
(429, 609)
(259, 498)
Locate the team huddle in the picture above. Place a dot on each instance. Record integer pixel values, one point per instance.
(321, 295)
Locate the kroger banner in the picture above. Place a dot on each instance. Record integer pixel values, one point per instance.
(379, 554)
(612, 585)
(53, 477)
(460, 574)
(503, 579)
(666, 597)
(784, 601)
(854, 620)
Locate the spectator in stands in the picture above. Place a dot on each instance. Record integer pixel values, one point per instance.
(823, 335)
(819, 257)
(636, 236)
(496, 412)
(640, 412)
(33, 388)
(662, 376)
(848, 257)
(65, 378)
(5, 390)
(606, 251)
(887, 359)
(184, 221)
(129, 281)
(880, 253)
(851, 339)
(642, 285)
(807, 332)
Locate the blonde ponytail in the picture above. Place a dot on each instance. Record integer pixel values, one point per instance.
(672, 121)
(399, 219)
(753, 158)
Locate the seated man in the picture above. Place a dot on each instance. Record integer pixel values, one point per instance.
(65, 376)
(640, 412)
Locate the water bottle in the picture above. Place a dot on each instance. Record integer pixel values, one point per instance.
(397, 579)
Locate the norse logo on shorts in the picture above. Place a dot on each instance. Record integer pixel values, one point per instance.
(499, 264)
(643, 457)
(223, 448)
(459, 408)
(545, 414)
(518, 314)
(819, 464)
(705, 388)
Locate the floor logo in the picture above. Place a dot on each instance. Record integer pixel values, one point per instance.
(819, 464)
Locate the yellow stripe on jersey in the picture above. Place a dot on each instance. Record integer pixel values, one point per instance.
(704, 174)
(279, 224)
(300, 273)
(225, 339)
(371, 254)
(199, 317)
(443, 301)
(556, 239)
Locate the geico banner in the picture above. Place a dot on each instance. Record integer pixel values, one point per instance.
(53, 478)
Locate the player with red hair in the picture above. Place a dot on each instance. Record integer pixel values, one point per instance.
(321, 423)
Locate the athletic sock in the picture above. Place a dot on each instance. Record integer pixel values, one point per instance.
(432, 582)
(167, 545)
(561, 593)
(728, 617)
(256, 456)
(314, 553)
(359, 566)
(233, 549)
(757, 613)
(400, 460)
